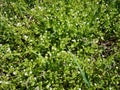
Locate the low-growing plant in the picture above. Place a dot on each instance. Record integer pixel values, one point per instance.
(59, 45)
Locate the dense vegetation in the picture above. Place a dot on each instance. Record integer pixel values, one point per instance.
(60, 45)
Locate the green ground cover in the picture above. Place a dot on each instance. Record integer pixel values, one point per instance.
(60, 45)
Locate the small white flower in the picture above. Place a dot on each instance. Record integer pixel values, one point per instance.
(7, 75)
(8, 50)
(70, 64)
(88, 59)
(84, 23)
(97, 18)
(95, 84)
(30, 72)
(97, 3)
(26, 74)
(116, 67)
(18, 24)
(0, 44)
(54, 48)
(0, 81)
(35, 78)
(15, 17)
(78, 72)
(6, 82)
(14, 73)
(73, 40)
(25, 36)
(110, 88)
(11, 18)
(40, 7)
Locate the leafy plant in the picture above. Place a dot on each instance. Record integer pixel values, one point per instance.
(61, 44)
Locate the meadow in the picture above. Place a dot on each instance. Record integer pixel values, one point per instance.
(60, 45)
